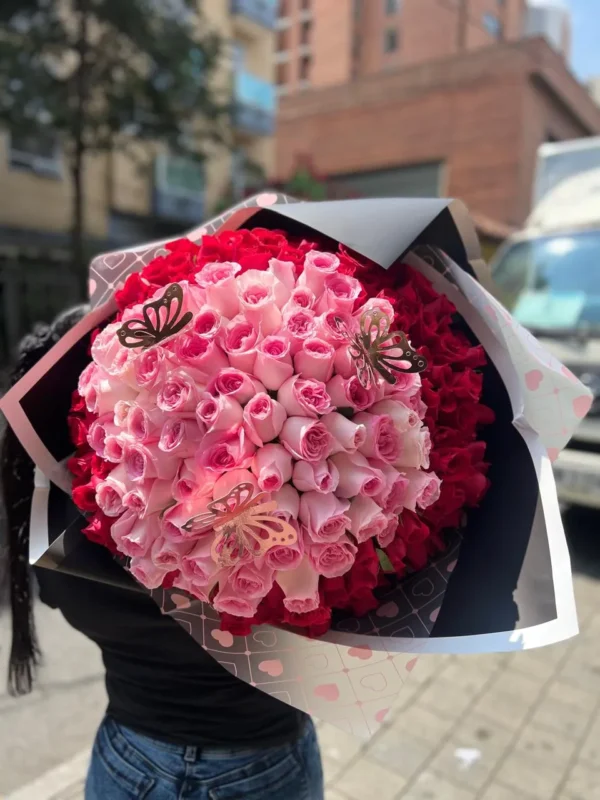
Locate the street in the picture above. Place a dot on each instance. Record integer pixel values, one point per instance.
(492, 727)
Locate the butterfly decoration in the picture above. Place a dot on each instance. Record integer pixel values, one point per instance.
(156, 325)
(245, 526)
(376, 349)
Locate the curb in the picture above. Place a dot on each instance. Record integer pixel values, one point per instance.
(64, 782)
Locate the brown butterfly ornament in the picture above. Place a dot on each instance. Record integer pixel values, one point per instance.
(160, 320)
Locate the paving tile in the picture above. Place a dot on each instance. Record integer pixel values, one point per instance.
(566, 692)
(338, 748)
(533, 664)
(583, 783)
(445, 699)
(505, 709)
(473, 752)
(590, 750)
(543, 745)
(467, 675)
(524, 775)
(423, 723)
(332, 794)
(566, 719)
(496, 791)
(401, 752)
(428, 667)
(432, 786)
(366, 779)
(526, 690)
(583, 668)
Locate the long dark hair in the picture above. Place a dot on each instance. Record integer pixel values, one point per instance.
(17, 488)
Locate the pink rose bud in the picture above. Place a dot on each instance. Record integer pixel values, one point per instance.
(403, 416)
(283, 558)
(348, 393)
(147, 573)
(148, 497)
(284, 271)
(299, 324)
(383, 441)
(315, 360)
(251, 581)
(357, 476)
(333, 559)
(263, 419)
(407, 385)
(367, 518)
(341, 293)
(304, 397)
(99, 430)
(288, 503)
(88, 386)
(416, 447)
(386, 537)
(145, 461)
(229, 480)
(301, 297)
(191, 481)
(175, 517)
(324, 515)
(201, 353)
(261, 297)
(393, 497)
(180, 437)
(227, 601)
(134, 536)
(343, 363)
(167, 554)
(317, 266)
(236, 384)
(150, 368)
(226, 450)
(334, 327)
(110, 499)
(106, 345)
(300, 587)
(207, 323)
(273, 363)
(376, 304)
(218, 279)
(178, 393)
(222, 412)
(108, 391)
(321, 476)
(306, 439)
(144, 424)
(123, 367)
(122, 411)
(423, 489)
(347, 435)
(114, 448)
(239, 342)
(197, 565)
(272, 466)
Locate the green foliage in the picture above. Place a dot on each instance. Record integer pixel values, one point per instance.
(305, 186)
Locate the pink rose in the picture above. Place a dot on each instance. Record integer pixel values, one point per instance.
(317, 266)
(150, 368)
(301, 297)
(348, 393)
(333, 559)
(207, 323)
(367, 518)
(122, 367)
(106, 345)
(341, 293)
(298, 325)
(227, 601)
(357, 476)
(148, 497)
(272, 466)
(416, 447)
(226, 450)
(386, 537)
(108, 392)
(321, 476)
(88, 386)
(284, 271)
(251, 581)
(218, 279)
(300, 587)
(236, 384)
(315, 359)
(180, 437)
(324, 516)
(197, 565)
(263, 419)
(260, 297)
(334, 326)
(114, 447)
(167, 554)
(283, 558)
(306, 439)
(201, 353)
(178, 393)
(192, 480)
(222, 412)
(229, 480)
(146, 572)
(273, 363)
(145, 461)
(144, 424)
(175, 517)
(407, 385)
(383, 440)
(99, 430)
(239, 342)
(376, 304)
(121, 413)
(423, 489)
(392, 498)
(347, 435)
(403, 416)
(288, 503)
(134, 536)
(110, 499)
(343, 363)
(304, 397)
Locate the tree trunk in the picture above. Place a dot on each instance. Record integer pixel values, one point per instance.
(78, 221)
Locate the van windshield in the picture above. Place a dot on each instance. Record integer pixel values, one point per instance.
(552, 283)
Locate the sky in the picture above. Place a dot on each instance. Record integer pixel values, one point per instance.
(585, 49)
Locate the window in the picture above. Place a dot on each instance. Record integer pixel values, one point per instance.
(305, 30)
(39, 152)
(392, 7)
(283, 8)
(390, 40)
(282, 74)
(304, 73)
(304, 5)
(283, 40)
(492, 25)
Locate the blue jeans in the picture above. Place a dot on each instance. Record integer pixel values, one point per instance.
(128, 766)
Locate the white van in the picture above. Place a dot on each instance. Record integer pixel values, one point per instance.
(548, 276)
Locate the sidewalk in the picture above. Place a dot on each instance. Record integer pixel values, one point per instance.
(503, 727)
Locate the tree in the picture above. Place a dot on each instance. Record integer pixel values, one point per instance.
(105, 74)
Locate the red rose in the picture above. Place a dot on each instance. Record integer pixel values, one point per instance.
(84, 496)
(335, 593)
(169, 579)
(98, 530)
(417, 555)
(364, 573)
(78, 430)
(237, 626)
(135, 290)
(77, 403)
(411, 529)
(320, 617)
(100, 468)
(396, 552)
(363, 602)
(80, 465)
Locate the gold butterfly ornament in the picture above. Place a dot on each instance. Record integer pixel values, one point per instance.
(244, 525)
(160, 320)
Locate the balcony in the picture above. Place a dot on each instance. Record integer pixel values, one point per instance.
(254, 104)
(178, 189)
(261, 12)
